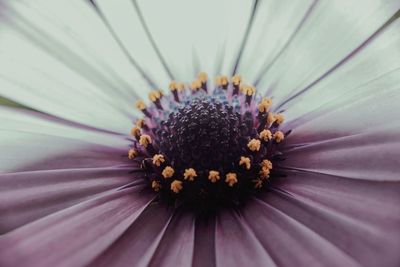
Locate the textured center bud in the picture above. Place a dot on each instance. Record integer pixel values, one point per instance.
(205, 135)
(208, 146)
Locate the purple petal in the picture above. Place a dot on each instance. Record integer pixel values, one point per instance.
(289, 242)
(360, 218)
(237, 245)
(28, 196)
(140, 241)
(177, 244)
(369, 156)
(77, 235)
(31, 141)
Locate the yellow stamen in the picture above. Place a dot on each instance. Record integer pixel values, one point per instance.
(180, 87)
(132, 153)
(139, 123)
(236, 80)
(145, 140)
(248, 90)
(221, 80)
(231, 179)
(266, 164)
(176, 186)
(246, 162)
(279, 118)
(266, 135)
(195, 85)
(140, 105)
(168, 172)
(279, 136)
(270, 118)
(254, 145)
(190, 174)
(158, 159)
(135, 131)
(155, 95)
(173, 85)
(264, 173)
(203, 77)
(213, 176)
(156, 186)
(265, 104)
(258, 183)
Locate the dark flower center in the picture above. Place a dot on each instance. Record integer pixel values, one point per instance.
(208, 147)
(205, 134)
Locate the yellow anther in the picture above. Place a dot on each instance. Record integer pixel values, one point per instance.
(266, 164)
(221, 80)
(145, 140)
(168, 172)
(176, 186)
(140, 105)
(279, 118)
(266, 135)
(135, 131)
(203, 77)
(231, 179)
(173, 85)
(132, 153)
(258, 183)
(158, 159)
(264, 173)
(236, 80)
(270, 118)
(265, 104)
(139, 123)
(195, 85)
(156, 186)
(190, 174)
(279, 136)
(246, 162)
(180, 87)
(155, 95)
(248, 90)
(213, 176)
(254, 145)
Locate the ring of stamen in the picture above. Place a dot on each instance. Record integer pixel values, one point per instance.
(208, 145)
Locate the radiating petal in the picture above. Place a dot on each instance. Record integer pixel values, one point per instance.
(28, 196)
(289, 242)
(204, 246)
(275, 26)
(237, 245)
(374, 155)
(359, 218)
(74, 236)
(48, 164)
(352, 89)
(31, 141)
(332, 35)
(177, 244)
(52, 60)
(140, 241)
(182, 30)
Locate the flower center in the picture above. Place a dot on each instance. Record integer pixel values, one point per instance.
(205, 134)
(208, 147)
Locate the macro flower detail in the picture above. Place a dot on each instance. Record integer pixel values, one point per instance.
(199, 133)
(200, 130)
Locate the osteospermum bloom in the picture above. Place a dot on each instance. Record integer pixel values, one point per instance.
(286, 153)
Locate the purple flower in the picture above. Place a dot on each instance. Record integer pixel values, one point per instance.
(198, 182)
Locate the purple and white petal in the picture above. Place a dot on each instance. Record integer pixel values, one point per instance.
(331, 35)
(77, 235)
